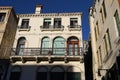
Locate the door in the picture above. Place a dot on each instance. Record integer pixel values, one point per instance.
(20, 46)
(45, 46)
(73, 48)
(21, 49)
(59, 46)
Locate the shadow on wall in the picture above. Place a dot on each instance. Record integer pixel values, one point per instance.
(44, 72)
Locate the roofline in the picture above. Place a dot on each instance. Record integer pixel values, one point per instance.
(6, 7)
(52, 14)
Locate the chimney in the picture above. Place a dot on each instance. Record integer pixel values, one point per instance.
(38, 9)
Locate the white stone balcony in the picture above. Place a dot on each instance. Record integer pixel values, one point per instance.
(46, 54)
(52, 28)
(74, 27)
(24, 28)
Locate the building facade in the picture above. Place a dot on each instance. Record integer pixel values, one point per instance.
(105, 39)
(8, 23)
(47, 46)
(88, 60)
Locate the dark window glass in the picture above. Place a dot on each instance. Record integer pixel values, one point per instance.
(108, 34)
(15, 76)
(117, 21)
(104, 9)
(20, 46)
(2, 17)
(25, 23)
(41, 76)
(57, 76)
(101, 16)
(73, 76)
(47, 23)
(57, 23)
(73, 22)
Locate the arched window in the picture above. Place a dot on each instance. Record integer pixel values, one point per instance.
(57, 73)
(73, 46)
(15, 73)
(45, 45)
(20, 46)
(73, 73)
(59, 46)
(42, 73)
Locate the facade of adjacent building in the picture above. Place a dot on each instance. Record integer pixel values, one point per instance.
(8, 23)
(47, 46)
(88, 60)
(105, 39)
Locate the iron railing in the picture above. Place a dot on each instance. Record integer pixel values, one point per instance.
(46, 51)
(52, 27)
(25, 28)
(74, 27)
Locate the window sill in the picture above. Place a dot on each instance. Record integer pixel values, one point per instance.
(74, 29)
(107, 57)
(24, 29)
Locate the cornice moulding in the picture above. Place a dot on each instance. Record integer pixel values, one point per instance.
(50, 14)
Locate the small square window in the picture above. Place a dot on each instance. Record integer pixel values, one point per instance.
(2, 17)
(25, 23)
(47, 23)
(73, 22)
(57, 23)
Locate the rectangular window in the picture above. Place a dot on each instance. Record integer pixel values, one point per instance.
(107, 41)
(2, 16)
(25, 23)
(57, 23)
(117, 20)
(73, 22)
(96, 31)
(99, 55)
(104, 9)
(105, 44)
(95, 34)
(101, 16)
(47, 23)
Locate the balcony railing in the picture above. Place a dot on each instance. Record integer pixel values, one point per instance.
(46, 51)
(46, 54)
(52, 28)
(74, 27)
(24, 28)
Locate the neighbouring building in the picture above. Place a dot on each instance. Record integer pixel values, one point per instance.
(8, 23)
(105, 39)
(48, 46)
(88, 59)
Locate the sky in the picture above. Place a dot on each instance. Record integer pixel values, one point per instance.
(54, 6)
